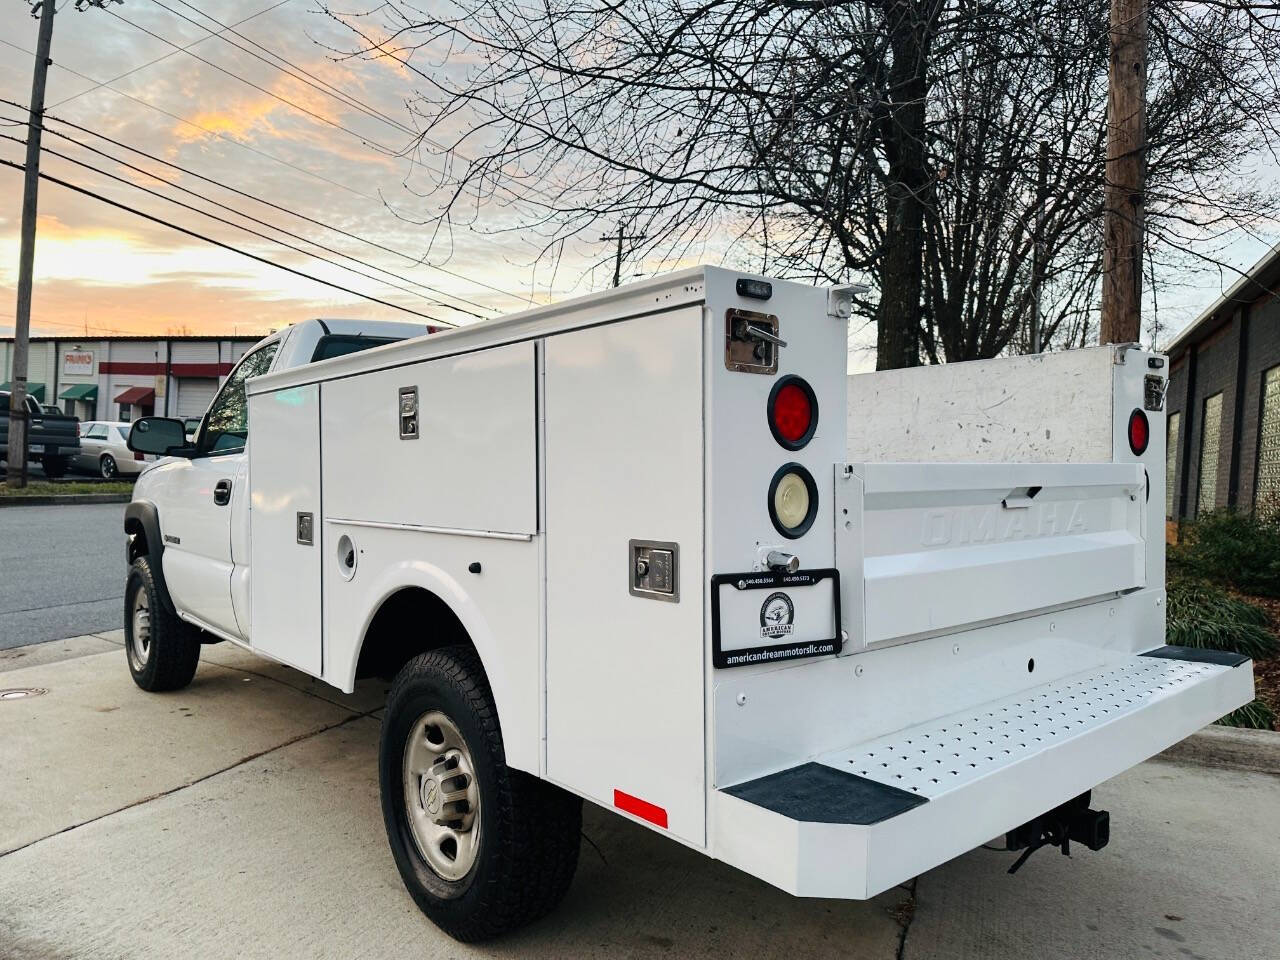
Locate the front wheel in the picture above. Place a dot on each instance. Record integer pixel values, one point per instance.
(482, 848)
(163, 652)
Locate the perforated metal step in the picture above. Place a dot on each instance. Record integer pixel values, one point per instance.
(934, 758)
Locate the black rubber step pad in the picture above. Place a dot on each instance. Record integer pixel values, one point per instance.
(816, 793)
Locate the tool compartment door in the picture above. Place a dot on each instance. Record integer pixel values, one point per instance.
(285, 532)
(929, 548)
(625, 672)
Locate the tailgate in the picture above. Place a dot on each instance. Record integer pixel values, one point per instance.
(930, 548)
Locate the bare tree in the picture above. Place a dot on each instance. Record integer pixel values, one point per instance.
(891, 140)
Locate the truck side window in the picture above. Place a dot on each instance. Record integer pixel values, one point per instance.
(226, 426)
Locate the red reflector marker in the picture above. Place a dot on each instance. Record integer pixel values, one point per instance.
(640, 808)
(1139, 433)
(793, 412)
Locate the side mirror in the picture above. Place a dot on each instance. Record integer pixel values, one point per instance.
(159, 435)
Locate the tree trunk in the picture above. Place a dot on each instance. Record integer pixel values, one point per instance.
(901, 270)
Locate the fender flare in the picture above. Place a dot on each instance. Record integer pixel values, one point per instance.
(427, 576)
(143, 513)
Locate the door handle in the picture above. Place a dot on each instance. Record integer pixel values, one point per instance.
(222, 492)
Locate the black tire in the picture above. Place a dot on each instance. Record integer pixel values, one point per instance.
(54, 467)
(528, 830)
(166, 656)
(108, 468)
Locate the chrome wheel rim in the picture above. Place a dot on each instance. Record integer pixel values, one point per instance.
(140, 631)
(108, 468)
(441, 795)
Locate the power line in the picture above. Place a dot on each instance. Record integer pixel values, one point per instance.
(268, 225)
(217, 243)
(265, 223)
(229, 223)
(247, 216)
(367, 141)
(308, 77)
(201, 127)
(275, 206)
(151, 63)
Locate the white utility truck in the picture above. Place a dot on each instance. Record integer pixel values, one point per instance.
(653, 548)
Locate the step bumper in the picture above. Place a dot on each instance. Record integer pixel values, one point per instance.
(855, 822)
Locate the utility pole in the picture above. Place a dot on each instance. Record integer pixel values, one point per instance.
(1125, 174)
(617, 263)
(17, 455)
(1037, 256)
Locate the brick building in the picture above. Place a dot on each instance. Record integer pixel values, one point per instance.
(1223, 402)
(123, 378)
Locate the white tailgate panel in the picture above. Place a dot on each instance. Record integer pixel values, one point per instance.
(473, 465)
(944, 546)
(624, 461)
(284, 480)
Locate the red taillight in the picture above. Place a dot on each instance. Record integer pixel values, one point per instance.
(1139, 433)
(137, 456)
(793, 412)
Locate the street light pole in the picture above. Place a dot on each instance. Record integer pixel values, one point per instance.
(18, 437)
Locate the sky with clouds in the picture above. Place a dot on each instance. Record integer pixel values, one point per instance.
(117, 73)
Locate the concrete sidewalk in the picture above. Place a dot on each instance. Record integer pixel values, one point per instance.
(240, 818)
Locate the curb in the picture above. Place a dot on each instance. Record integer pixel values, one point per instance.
(1228, 748)
(65, 498)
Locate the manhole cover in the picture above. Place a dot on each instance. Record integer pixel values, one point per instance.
(20, 693)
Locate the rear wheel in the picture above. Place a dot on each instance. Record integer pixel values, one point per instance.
(54, 467)
(107, 467)
(482, 848)
(163, 652)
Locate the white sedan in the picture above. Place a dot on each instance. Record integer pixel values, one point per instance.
(103, 450)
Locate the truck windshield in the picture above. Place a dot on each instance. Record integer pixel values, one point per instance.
(340, 344)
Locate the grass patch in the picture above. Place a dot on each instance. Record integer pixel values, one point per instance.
(45, 488)
(1237, 550)
(1204, 615)
(1253, 716)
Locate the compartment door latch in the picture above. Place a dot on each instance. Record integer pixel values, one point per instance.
(654, 570)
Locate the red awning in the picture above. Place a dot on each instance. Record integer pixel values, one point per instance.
(141, 396)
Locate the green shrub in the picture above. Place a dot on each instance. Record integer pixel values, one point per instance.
(1232, 548)
(1201, 614)
(1254, 716)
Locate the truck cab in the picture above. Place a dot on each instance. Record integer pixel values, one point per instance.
(190, 511)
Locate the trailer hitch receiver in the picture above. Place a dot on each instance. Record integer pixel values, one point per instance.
(1071, 821)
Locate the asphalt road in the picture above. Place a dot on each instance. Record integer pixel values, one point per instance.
(62, 571)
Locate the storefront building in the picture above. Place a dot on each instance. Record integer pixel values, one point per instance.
(124, 378)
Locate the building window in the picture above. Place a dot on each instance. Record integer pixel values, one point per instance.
(1171, 463)
(1266, 488)
(1210, 437)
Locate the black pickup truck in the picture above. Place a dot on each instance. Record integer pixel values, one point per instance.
(52, 438)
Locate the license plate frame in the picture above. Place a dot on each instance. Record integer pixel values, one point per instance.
(779, 582)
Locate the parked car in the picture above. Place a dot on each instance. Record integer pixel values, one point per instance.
(51, 440)
(104, 450)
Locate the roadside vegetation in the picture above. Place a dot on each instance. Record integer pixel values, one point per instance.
(1224, 594)
(47, 488)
